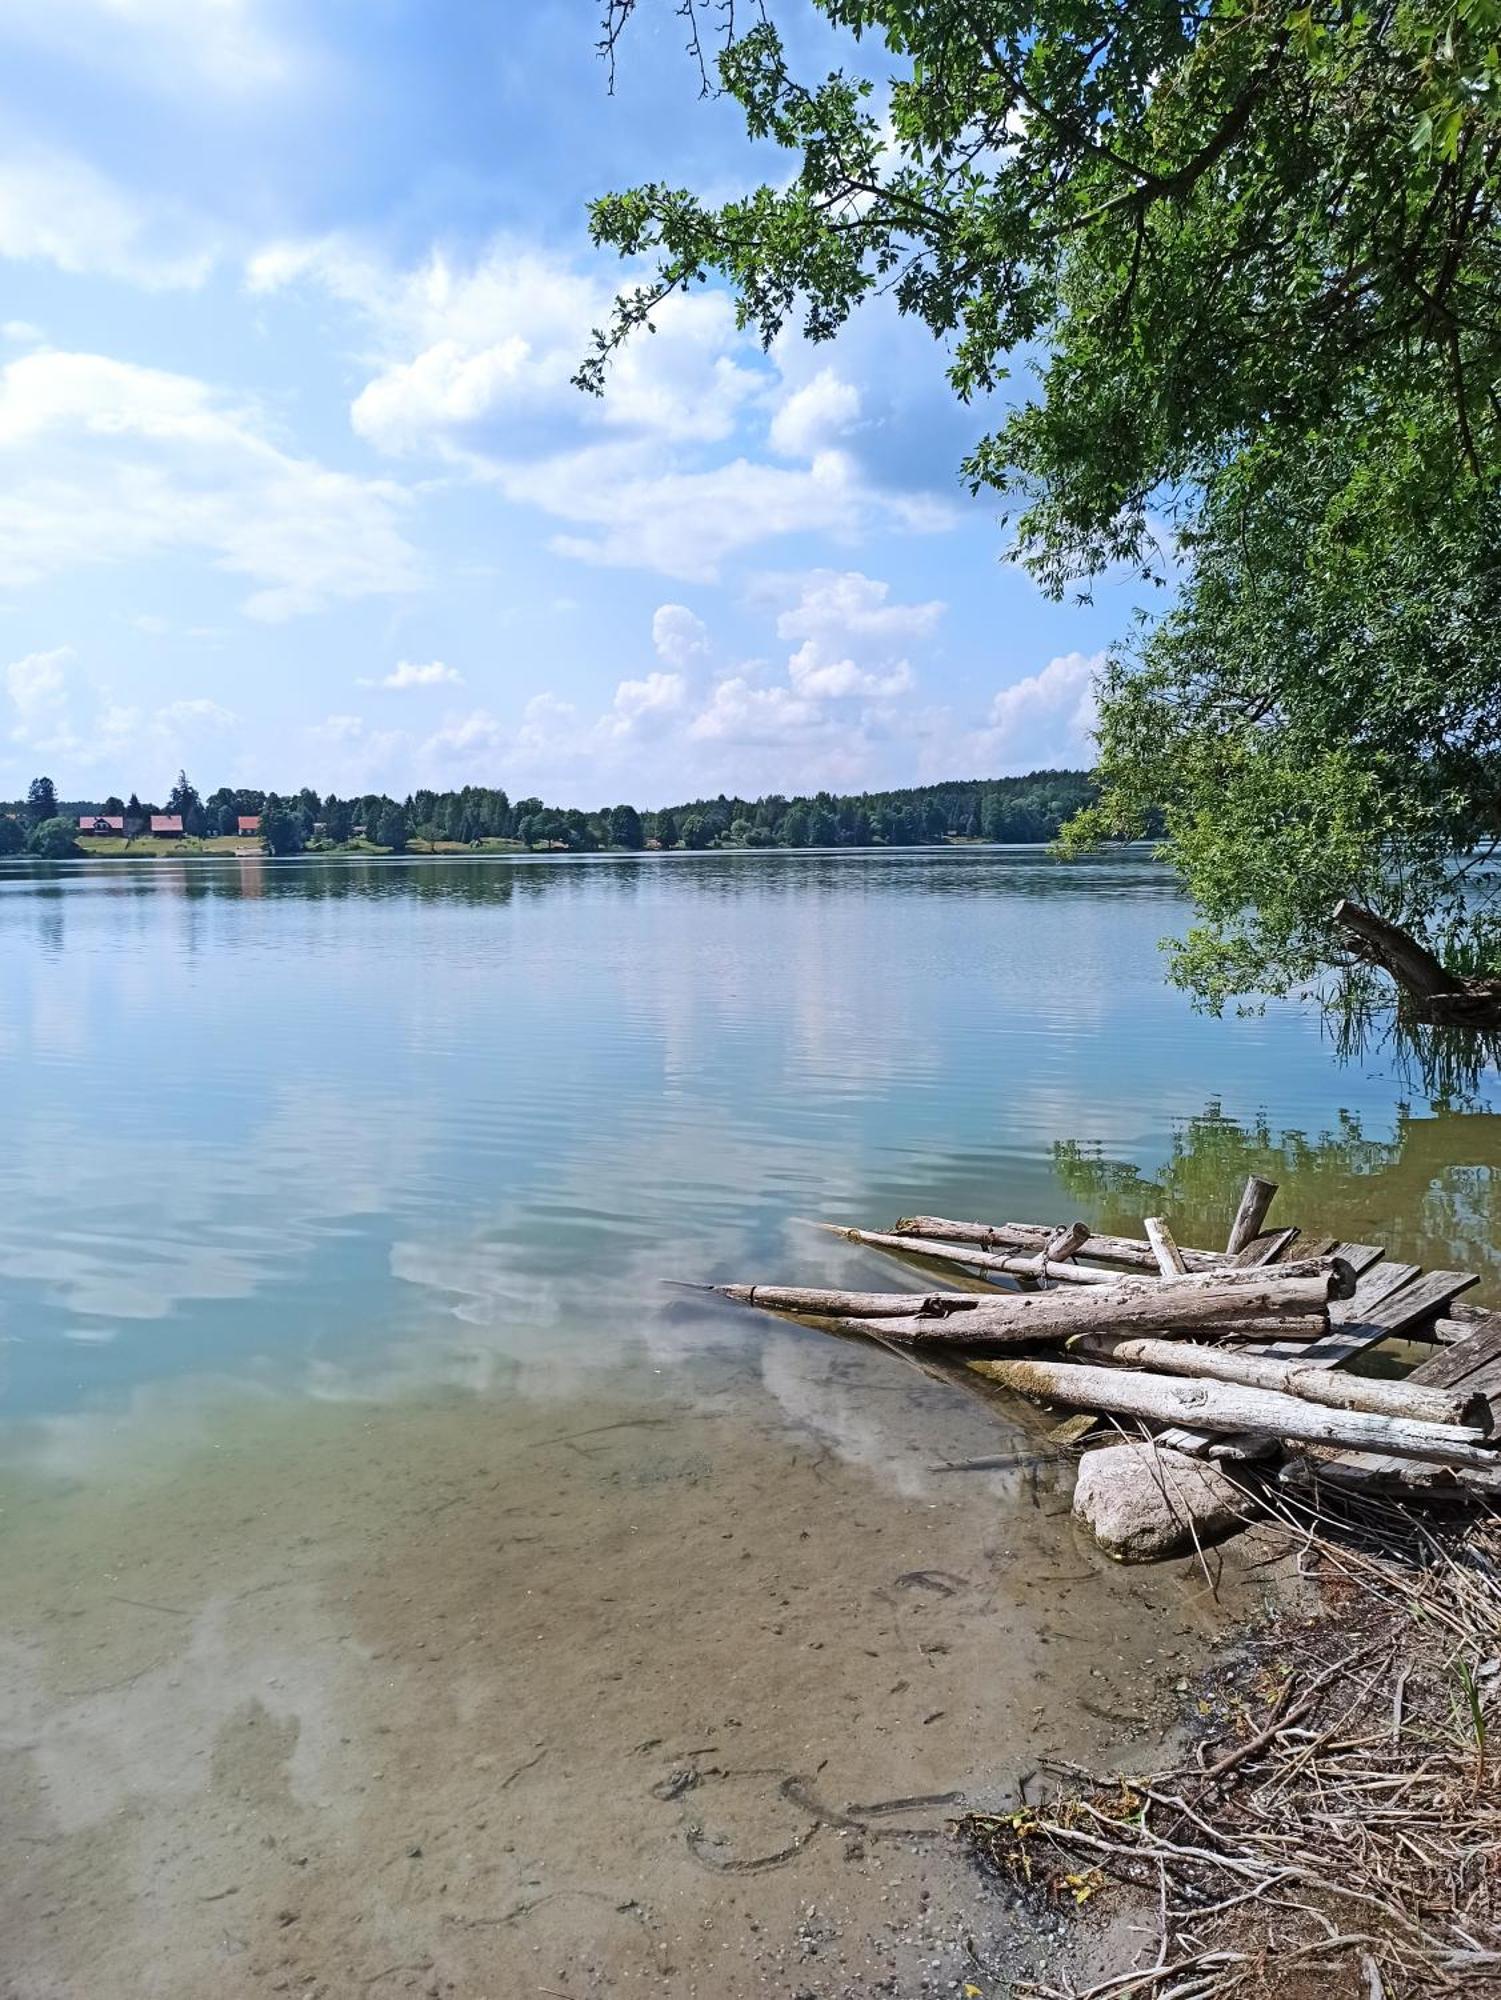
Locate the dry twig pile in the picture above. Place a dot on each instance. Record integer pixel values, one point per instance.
(1344, 1835)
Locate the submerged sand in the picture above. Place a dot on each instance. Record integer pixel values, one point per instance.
(618, 1691)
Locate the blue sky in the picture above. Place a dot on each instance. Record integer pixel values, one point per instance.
(294, 487)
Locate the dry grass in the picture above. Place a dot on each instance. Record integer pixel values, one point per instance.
(1343, 1834)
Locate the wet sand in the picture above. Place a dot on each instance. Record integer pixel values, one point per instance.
(609, 1692)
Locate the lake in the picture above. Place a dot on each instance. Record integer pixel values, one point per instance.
(405, 1588)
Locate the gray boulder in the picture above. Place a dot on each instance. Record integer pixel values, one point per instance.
(1142, 1503)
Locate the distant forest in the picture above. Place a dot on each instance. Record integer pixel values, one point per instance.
(1030, 808)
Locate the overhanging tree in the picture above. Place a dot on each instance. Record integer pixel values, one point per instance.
(1252, 255)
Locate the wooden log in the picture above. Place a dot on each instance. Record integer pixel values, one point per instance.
(1061, 1247)
(817, 1302)
(1292, 1378)
(1341, 1278)
(1227, 1407)
(974, 1260)
(1256, 1198)
(1033, 1235)
(1164, 1249)
(1049, 1317)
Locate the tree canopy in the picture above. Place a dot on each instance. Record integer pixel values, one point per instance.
(1248, 256)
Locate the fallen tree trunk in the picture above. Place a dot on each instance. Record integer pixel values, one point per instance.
(1311, 1384)
(1170, 1260)
(1223, 1406)
(1255, 1200)
(1051, 1317)
(816, 1302)
(1033, 1236)
(1335, 1271)
(1036, 1266)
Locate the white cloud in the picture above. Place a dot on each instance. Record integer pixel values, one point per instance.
(474, 367)
(476, 735)
(1046, 719)
(678, 635)
(473, 354)
(645, 706)
(58, 711)
(407, 674)
(813, 417)
(37, 686)
(102, 461)
(740, 713)
(853, 637)
(687, 523)
(56, 209)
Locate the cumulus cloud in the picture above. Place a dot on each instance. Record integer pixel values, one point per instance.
(1048, 718)
(658, 694)
(407, 674)
(103, 461)
(679, 635)
(813, 417)
(475, 365)
(853, 638)
(57, 710)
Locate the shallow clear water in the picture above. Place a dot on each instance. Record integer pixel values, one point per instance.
(384, 1542)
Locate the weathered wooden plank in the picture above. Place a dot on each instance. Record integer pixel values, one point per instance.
(1478, 1354)
(1267, 1248)
(1471, 1363)
(1318, 1246)
(1359, 1256)
(1375, 1315)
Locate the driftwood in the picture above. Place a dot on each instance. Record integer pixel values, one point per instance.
(1164, 1248)
(1226, 1406)
(1037, 1266)
(1033, 1236)
(1255, 1200)
(815, 1302)
(1292, 1378)
(1050, 1317)
(1341, 1278)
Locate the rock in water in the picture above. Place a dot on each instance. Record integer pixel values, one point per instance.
(1141, 1502)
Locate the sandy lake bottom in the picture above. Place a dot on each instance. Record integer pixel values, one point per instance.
(594, 1694)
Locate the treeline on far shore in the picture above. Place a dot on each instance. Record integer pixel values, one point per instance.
(1016, 809)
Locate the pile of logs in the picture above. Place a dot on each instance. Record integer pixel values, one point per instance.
(1235, 1353)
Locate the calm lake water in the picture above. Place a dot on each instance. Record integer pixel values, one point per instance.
(336, 1205)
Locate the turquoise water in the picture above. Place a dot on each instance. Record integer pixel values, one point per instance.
(342, 1127)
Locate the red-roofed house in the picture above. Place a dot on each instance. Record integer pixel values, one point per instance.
(101, 823)
(250, 823)
(169, 824)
